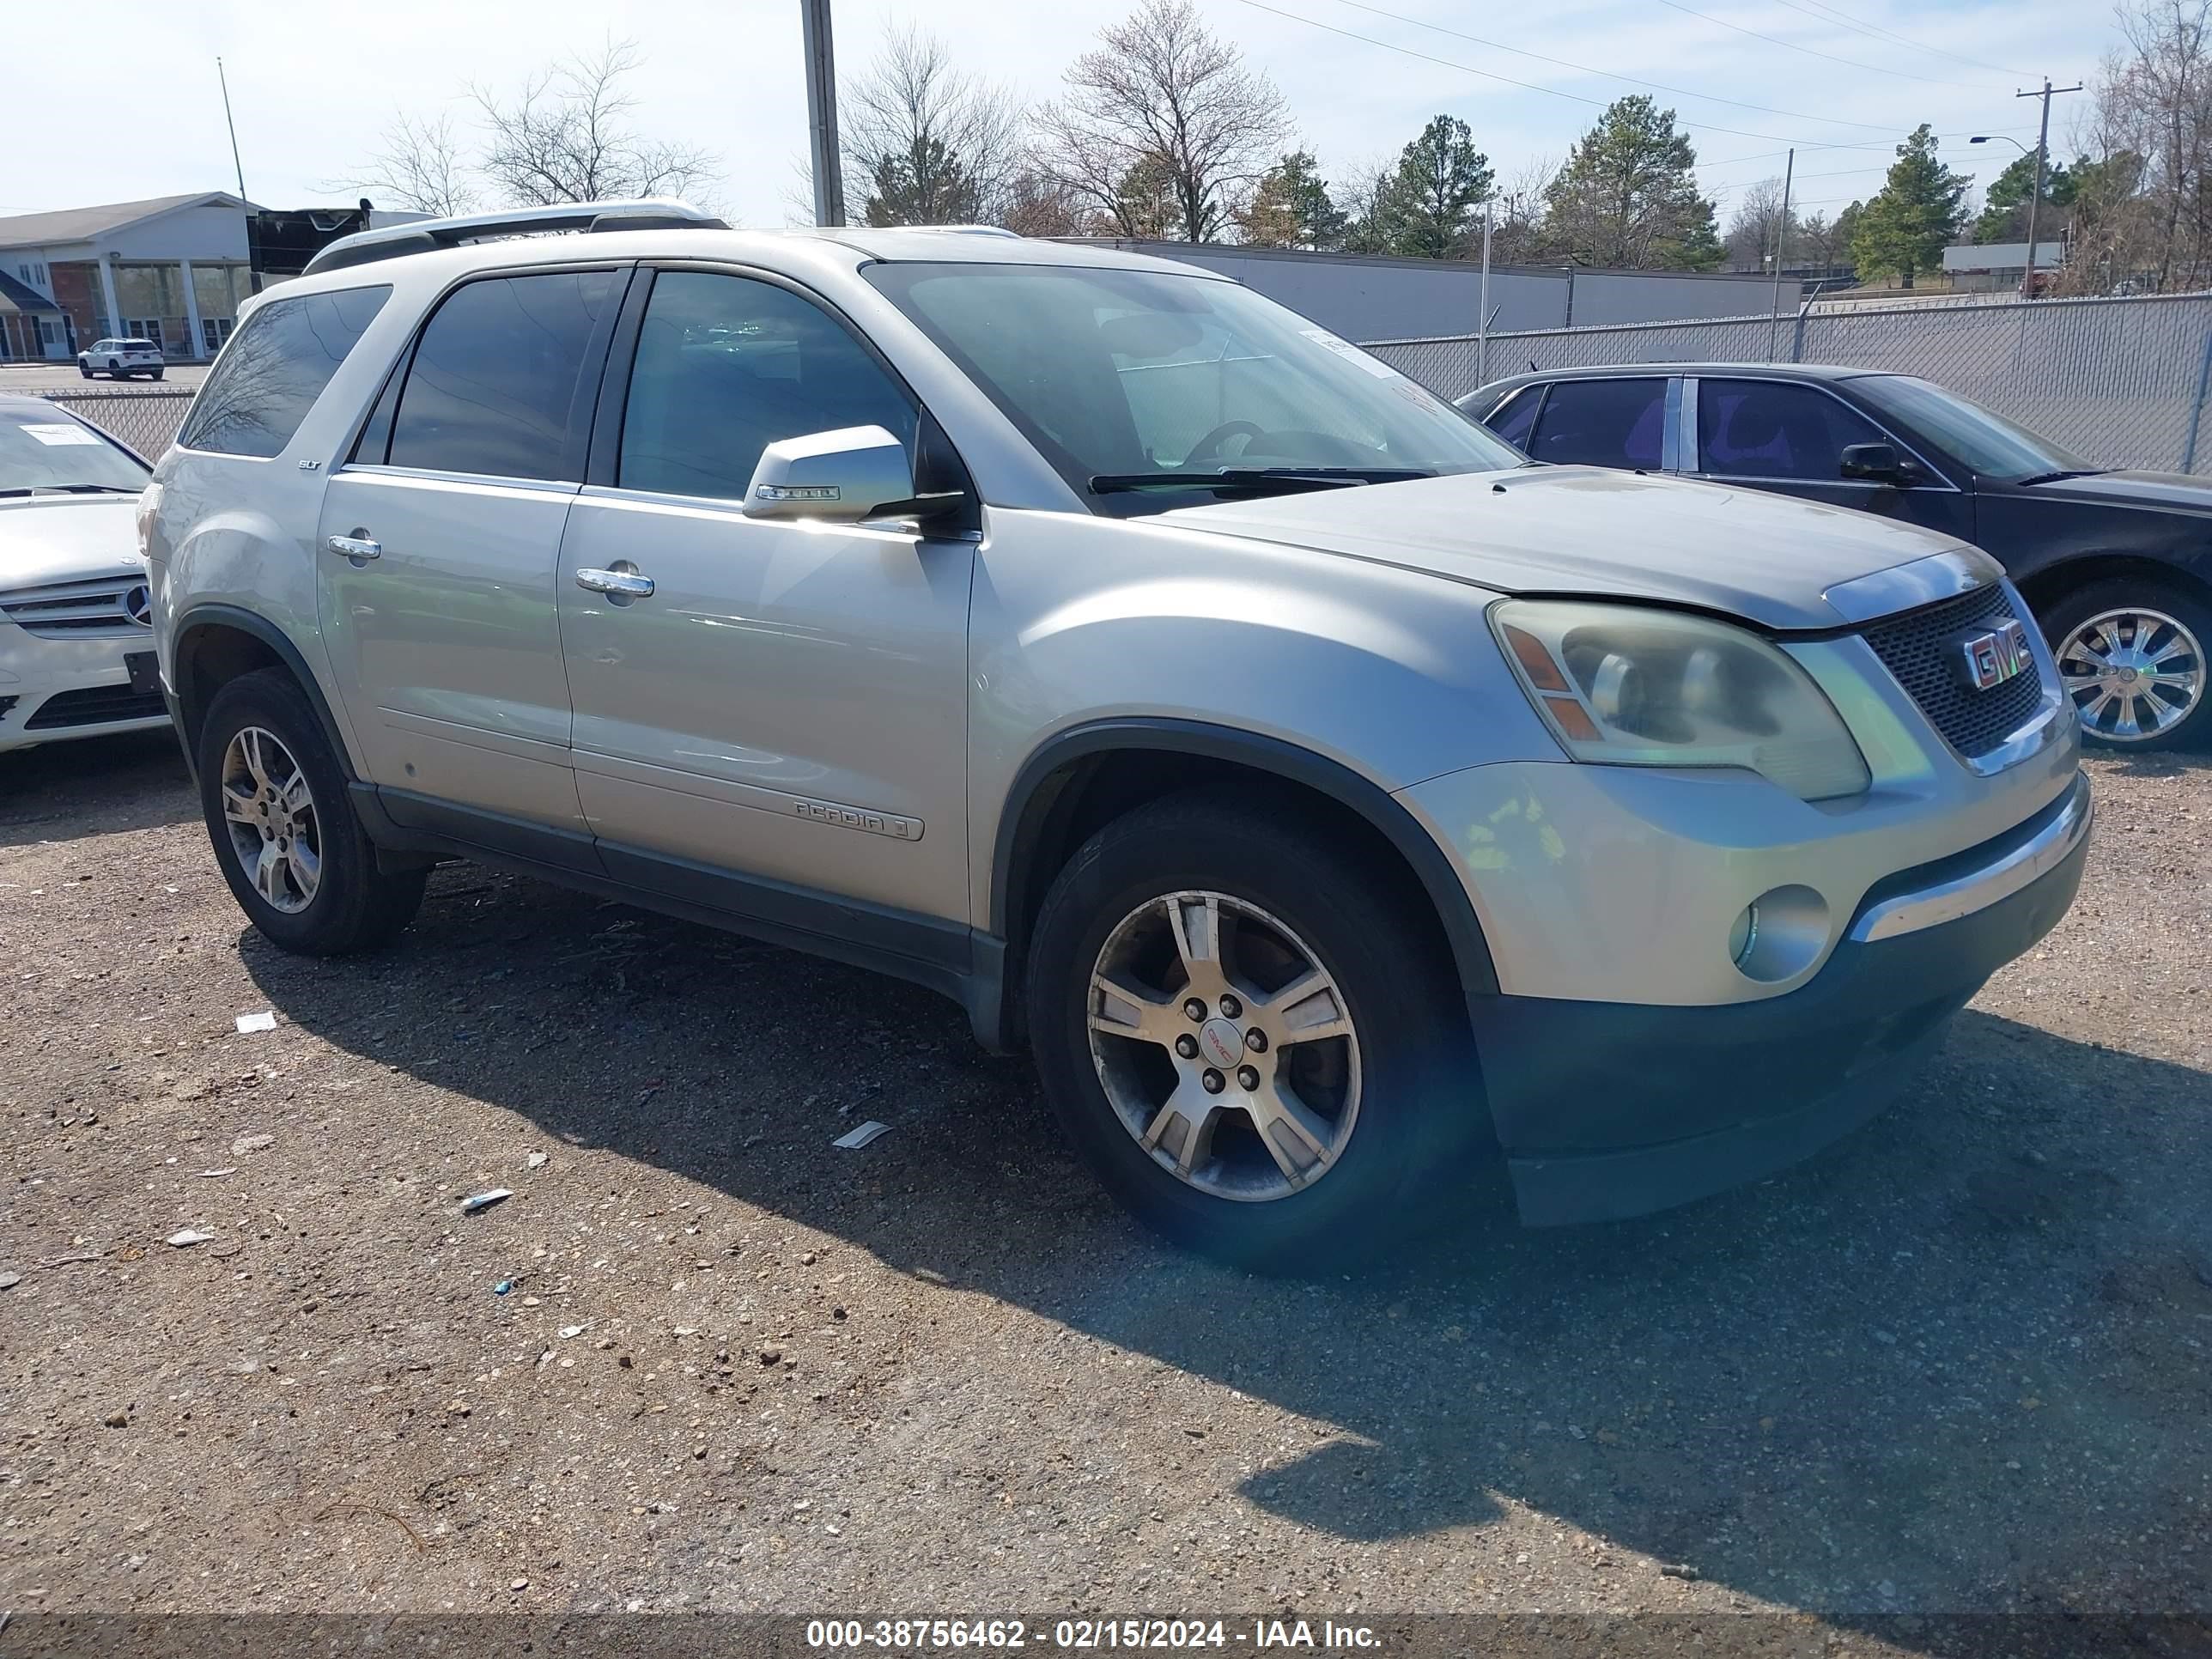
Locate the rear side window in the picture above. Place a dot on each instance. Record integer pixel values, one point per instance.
(728, 365)
(1512, 421)
(1602, 424)
(499, 383)
(273, 368)
(1770, 430)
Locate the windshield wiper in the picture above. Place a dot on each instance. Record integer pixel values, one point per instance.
(69, 489)
(1252, 480)
(2061, 476)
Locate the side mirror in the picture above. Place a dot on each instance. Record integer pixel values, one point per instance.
(855, 472)
(1877, 464)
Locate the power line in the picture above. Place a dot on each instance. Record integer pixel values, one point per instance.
(1827, 13)
(1813, 51)
(1608, 75)
(1507, 79)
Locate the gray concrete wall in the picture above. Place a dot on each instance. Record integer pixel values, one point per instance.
(1363, 298)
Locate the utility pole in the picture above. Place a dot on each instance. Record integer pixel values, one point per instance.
(1482, 314)
(2042, 159)
(1781, 247)
(822, 112)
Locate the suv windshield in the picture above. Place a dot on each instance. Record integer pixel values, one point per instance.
(1129, 381)
(39, 451)
(1992, 445)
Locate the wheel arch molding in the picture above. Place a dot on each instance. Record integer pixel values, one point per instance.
(1023, 864)
(213, 644)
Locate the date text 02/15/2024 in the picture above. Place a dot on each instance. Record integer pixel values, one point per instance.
(1086, 1635)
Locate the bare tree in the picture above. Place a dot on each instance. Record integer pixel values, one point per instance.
(2149, 141)
(1038, 204)
(419, 168)
(1750, 233)
(1517, 235)
(568, 136)
(1162, 102)
(924, 142)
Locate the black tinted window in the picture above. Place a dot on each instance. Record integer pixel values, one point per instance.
(1767, 429)
(725, 367)
(273, 368)
(1512, 421)
(1602, 424)
(499, 383)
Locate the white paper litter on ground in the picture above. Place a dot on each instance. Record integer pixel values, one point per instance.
(188, 1238)
(263, 1021)
(860, 1137)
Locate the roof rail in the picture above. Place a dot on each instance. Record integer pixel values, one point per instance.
(963, 230)
(367, 247)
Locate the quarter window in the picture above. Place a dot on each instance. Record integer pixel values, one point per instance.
(1512, 421)
(500, 383)
(282, 358)
(1602, 424)
(1773, 430)
(726, 366)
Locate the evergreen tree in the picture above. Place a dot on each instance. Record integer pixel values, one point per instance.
(1628, 195)
(1917, 212)
(1429, 206)
(1292, 208)
(926, 185)
(2004, 210)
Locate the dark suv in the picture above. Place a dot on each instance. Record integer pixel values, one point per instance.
(2117, 565)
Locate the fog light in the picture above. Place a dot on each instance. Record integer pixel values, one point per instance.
(1779, 934)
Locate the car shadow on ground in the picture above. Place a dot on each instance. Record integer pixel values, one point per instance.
(93, 787)
(1956, 1362)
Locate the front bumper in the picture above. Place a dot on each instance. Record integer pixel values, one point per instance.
(1608, 1109)
(54, 690)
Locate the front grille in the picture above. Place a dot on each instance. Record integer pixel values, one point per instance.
(76, 610)
(96, 705)
(1913, 648)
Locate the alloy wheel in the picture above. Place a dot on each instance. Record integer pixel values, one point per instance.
(2134, 673)
(275, 831)
(1224, 1046)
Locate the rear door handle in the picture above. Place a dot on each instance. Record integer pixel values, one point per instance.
(355, 547)
(622, 583)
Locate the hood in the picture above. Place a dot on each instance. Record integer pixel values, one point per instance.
(1589, 531)
(2160, 492)
(60, 538)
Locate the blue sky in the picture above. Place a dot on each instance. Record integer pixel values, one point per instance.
(313, 80)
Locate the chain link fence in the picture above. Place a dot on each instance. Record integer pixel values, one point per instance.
(2123, 382)
(145, 420)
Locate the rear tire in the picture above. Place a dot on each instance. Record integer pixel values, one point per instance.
(2103, 631)
(157, 374)
(1375, 1127)
(275, 799)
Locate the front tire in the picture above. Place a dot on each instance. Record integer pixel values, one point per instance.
(83, 370)
(285, 834)
(2131, 653)
(1252, 1037)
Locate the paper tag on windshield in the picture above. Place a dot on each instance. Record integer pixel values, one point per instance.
(1351, 353)
(63, 433)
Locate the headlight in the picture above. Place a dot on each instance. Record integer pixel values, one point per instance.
(149, 506)
(1630, 687)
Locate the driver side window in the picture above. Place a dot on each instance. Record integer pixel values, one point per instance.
(726, 366)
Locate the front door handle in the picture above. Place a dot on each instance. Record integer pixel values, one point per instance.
(355, 547)
(621, 584)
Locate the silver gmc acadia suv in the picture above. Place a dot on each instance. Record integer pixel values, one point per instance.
(1322, 792)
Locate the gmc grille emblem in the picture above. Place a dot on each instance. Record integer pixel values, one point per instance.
(1983, 658)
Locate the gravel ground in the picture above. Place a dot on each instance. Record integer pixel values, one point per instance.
(1957, 1364)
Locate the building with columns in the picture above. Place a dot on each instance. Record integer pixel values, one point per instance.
(173, 268)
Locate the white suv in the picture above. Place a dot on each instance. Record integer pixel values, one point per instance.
(1321, 791)
(120, 360)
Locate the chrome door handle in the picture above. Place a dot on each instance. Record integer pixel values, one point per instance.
(622, 583)
(355, 547)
